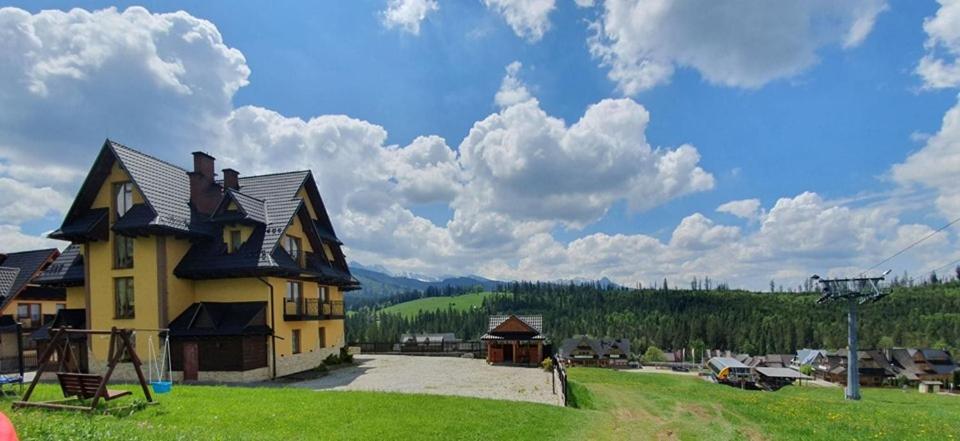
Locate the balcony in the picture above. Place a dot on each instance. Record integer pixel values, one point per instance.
(312, 309)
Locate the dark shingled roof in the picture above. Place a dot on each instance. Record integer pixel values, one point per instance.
(66, 270)
(65, 318)
(27, 264)
(207, 319)
(250, 208)
(533, 321)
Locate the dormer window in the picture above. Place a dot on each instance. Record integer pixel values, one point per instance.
(124, 197)
(236, 240)
(292, 245)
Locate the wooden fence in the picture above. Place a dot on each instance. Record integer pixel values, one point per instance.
(454, 349)
(560, 372)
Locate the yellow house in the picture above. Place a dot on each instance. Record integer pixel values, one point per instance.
(245, 272)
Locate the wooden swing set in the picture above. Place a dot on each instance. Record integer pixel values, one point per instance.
(76, 386)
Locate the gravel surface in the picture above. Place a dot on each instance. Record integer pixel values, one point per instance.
(440, 376)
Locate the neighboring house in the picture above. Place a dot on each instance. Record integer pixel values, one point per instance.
(515, 339)
(873, 366)
(777, 360)
(919, 365)
(246, 272)
(21, 297)
(808, 357)
(584, 350)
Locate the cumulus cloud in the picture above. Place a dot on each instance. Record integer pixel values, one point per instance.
(746, 209)
(20, 202)
(512, 89)
(529, 19)
(532, 166)
(12, 239)
(745, 43)
(408, 14)
(940, 66)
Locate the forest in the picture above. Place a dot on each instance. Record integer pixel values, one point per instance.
(926, 315)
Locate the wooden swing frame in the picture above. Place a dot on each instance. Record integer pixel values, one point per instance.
(72, 382)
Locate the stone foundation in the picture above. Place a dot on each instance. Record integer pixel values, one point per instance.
(286, 365)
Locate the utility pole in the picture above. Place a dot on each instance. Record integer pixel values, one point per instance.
(855, 291)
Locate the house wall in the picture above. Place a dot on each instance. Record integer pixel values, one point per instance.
(76, 297)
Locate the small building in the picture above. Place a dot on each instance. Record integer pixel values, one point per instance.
(426, 339)
(514, 339)
(584, 350)
(777, 360)
(918, 365)
(773, 378)
(730, 371)
(930, 387)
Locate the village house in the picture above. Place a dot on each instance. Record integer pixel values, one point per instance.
(245, 271)
(515, 339)
(21, 298)
(922, 365)
(873, 366)
(808, 357)
(584, 350)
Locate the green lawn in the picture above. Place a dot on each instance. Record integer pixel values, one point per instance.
(663, 406)
(461, 302)
(614, 406)
(234, 413)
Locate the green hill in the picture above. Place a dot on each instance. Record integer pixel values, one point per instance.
(458, 303)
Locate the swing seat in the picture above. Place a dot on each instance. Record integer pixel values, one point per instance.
(85, 386)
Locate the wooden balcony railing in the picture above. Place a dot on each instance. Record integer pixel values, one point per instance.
(312, 309)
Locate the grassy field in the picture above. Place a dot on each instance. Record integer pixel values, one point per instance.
(461, 302)
(233, 413)
(613, 406)
(625, 405)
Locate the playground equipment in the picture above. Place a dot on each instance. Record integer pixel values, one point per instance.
(77, 386)
(160, 366)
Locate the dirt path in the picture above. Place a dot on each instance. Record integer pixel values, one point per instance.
(439, 376)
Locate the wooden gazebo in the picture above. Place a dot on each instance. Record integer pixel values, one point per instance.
(515, 339)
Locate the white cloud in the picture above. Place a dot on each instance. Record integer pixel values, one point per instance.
(12, 239)
(936, 164)
(697, 232)
(529, 19)
(746, 209)
(20, 202)
(940, 66)
(585, 3)
(512, 89)
(744, 43)
(532, 166)
(408, 14)
(133, 75)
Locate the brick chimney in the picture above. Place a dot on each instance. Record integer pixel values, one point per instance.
(231, 179)
(204, 192)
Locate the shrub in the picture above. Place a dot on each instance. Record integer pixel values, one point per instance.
(654, 355)
(331, 360)
(322, 369)
(547, 364)
(345, 356)
(806, 369)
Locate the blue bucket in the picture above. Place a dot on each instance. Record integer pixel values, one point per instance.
(161, 387)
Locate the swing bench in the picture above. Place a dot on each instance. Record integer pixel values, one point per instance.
(78, 387)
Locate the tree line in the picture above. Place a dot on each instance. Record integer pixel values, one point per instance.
(925, 315)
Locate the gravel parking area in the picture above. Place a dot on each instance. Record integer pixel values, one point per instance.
(439, 376)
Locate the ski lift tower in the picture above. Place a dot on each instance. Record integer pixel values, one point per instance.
(854, 291)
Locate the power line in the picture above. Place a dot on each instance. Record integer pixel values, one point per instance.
(905, 249)
(942, 267)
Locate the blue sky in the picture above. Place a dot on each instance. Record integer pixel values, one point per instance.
(835, 127)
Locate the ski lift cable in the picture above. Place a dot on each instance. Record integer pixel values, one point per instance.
(915, 243)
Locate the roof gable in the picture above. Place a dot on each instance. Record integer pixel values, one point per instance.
(19, 269)
(514, 325)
